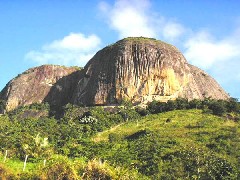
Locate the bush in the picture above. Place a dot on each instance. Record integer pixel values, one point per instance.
(195, 104)
(218, 107)
(97, 170)
(182, 103)
(5, 173)
(233, 105)
(157, 107)
(59, 168)
(142, 111)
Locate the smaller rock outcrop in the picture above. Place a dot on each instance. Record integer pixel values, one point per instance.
(47, 83)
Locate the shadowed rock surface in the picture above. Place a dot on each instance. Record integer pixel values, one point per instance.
(141, 70)
(45, 83)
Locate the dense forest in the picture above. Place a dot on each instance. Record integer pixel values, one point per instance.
(180, 139)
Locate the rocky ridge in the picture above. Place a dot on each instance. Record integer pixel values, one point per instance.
(135, 69)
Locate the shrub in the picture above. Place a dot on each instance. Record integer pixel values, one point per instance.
(195, 104)
(6, 173)
(233, 105)
(97, 170)
(182, 103)
(218, 107)
(59, 168)
(142, 111)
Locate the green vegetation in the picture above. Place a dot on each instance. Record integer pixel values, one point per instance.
(173, 140)
(2, 106)
(139, 40)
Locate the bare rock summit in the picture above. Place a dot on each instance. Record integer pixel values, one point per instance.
(142, 70)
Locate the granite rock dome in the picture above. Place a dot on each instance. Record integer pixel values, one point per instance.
(142, 70)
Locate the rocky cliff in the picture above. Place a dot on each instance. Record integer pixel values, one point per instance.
(135, 69)
(48, 83)
(141, 70)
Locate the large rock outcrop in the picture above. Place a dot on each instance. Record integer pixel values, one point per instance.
(47, 83)
(141, 70)
(135, 69)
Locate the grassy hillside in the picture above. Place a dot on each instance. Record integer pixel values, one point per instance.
(188, 137)
(93, 143)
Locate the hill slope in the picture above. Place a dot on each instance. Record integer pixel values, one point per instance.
(180, 144)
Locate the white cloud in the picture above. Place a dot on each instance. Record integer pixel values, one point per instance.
(73, 49)
(172, 30)
(220, 57)
(129, 18)
(135, 18)
(203, 51)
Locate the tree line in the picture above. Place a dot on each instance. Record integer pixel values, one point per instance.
(208, 105)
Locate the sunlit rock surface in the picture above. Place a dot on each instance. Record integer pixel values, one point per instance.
(142, 70)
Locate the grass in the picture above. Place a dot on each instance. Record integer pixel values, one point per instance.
(139, 40)
(185, 129)
(182, 123)
(17, 165)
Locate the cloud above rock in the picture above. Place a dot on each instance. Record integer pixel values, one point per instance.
(136, 18)
(73, 49)
(203, 50)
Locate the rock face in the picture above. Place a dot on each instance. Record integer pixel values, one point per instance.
(48, 83)
(141, 70)
(135, 69)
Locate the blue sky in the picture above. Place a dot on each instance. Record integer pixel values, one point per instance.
(70, 32)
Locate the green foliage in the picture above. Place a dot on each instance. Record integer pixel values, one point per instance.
(154, 107)
(125, 142)
(194, 163)
(195, 103)
(151, 150)
(114, 137)
(218, 107)
(233, 105)
(73, 112)
(147, 150)
(35, 110)
(142, 111)
(208, 105)
(182, 103)
(2, 106)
